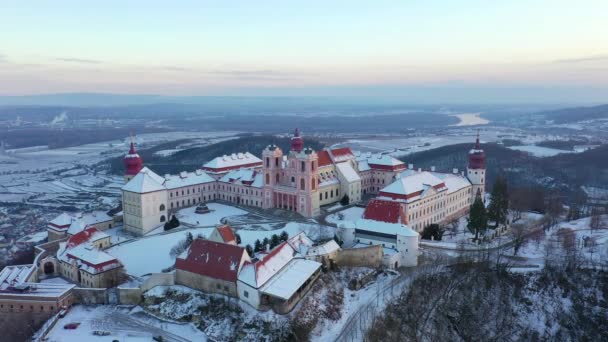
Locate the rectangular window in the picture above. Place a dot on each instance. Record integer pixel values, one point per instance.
(246, 294)
(303, 166)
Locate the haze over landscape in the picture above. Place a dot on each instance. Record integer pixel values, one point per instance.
(304, 171)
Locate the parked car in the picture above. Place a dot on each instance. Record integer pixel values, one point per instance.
(101, 333)
(71, 326)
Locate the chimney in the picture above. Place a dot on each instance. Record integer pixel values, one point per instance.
(419, 169)
(410, 166)
(462, 173)
(432, 168)
(455, 171)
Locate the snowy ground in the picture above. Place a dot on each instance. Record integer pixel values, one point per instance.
(539, 151)
(218, 212)
(123, 324)
(551, 244)
(351, 214)
(151, 253)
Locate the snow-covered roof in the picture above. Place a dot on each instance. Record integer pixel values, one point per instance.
(348, 172)
(187, 179)
(369, 160)
(233, 161)
(384, 227)
(383, 210)
(323, 249)
(64, 219)
(258, 273)
(148, 181)
(342, 154)
(77, 225)
(328, 177)
(362, 165)
(212, 259)
(454, 182)
(44, 290)
(300, 243)
(145, 181)
(289, 279)
(80, 248)
(12, 275)
(412, 184)
(245, 177)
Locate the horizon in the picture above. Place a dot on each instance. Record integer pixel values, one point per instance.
(470, 52)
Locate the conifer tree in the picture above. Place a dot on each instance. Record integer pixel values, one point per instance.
(284, 236)
(478, 218)
(499, 205)
(257, 246)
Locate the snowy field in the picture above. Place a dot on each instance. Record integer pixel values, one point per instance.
(539, 151)
(65, 176)
(470, 119)
(123, 324)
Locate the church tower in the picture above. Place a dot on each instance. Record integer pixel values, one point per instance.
(133, 162)
(272, 158)
(476, 170)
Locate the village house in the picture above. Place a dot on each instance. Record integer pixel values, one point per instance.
(211, 266)
(82, 260)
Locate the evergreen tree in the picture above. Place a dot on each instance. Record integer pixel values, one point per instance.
(284, 236)
(478, 218)
(345, 200)
(257, 246)
(238, 239)
(265, 243)
(249, 250)
(499, 205)
(274, 240)
(189, 238)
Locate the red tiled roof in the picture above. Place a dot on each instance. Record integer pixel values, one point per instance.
(324, 159)
(226, 233)
(212, 259)
(381, 210)
(343, 151)
(81, 237)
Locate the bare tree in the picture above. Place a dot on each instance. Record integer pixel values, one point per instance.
(518, 231)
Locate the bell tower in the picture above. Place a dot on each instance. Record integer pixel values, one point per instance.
(272, 164)
(133, 162)
(476, 170)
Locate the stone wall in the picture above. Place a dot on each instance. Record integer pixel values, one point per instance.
(89, 296)
(158, 279)
(205, 284)
(366, 256)
(129, 296)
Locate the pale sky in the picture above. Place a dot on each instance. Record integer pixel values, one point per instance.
(302, 47)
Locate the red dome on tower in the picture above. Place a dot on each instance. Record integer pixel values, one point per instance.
(297, 143)
(477, 157)
(133, 162)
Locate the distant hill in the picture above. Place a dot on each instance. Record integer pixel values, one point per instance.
(576, 114)
(564, 171)
(193, 158)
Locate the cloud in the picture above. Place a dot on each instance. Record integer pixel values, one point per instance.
(271, 75)
(584, 59)
(78, 60)
(175, 68)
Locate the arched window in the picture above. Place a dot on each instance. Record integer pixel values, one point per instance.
(293, 179)
(162, 218)
(162, 207)
(302, 184)
(314, 181)
(267, 178)
(277, 179)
